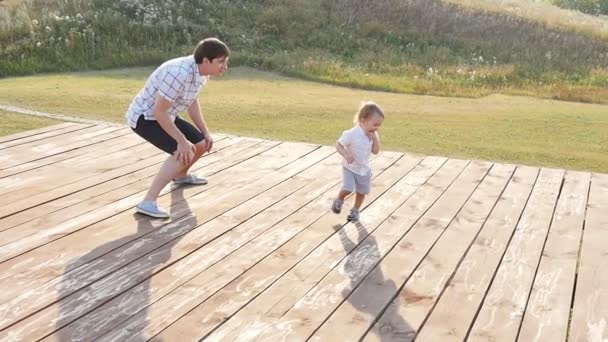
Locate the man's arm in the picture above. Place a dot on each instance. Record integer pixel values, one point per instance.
(185, 149)
(194, 111)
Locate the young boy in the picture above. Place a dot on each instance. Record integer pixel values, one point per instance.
(356, 146)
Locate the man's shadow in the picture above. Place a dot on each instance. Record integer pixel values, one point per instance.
(148, 264)
(363, 258)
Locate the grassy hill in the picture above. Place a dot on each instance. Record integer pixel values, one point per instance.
(515, 129)
(556, 14)
(447, 48)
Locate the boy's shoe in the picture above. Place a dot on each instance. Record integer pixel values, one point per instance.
(354, 215)
(336, 207)
(190, 179)
(150, 208)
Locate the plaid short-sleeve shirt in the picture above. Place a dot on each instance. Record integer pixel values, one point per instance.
(176, 80)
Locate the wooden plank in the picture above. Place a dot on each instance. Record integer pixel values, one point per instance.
(42, 137)
(37, 232)
(127, 203)
(301, 271)
(590, 310)
(455, 311)
(111, 142)
(12, 270)
(83, 201)
(404, 302)
(31, 258)
(548, 310)
(500, 315)
(122, 141)
(185, 268)
(36, 198)
(50, 232)
(298, 210)
(37, 149)
(27, 199)
(423, 277)
(24, 185)
(32, 151)
(323, 299)
(242, 272)
(225, 200)
(49, 140)
(32, 132)
(149, 235)
(108, 147)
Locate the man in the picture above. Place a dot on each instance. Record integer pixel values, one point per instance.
(173, 88)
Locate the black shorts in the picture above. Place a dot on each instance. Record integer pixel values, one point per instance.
(151, 131)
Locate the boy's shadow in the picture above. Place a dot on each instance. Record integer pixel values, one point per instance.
(151, 262)
(367, 255)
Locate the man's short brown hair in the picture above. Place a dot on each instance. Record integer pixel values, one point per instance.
(210, 48)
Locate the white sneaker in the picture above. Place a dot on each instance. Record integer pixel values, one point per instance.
(336, 207)
(190, 179)
(150, 208)
(353, 216)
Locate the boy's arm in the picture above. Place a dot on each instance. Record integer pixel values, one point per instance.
(375, 143)
(194, 111)
(344, 153)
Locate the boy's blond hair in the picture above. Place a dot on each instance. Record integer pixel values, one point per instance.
(366, 110)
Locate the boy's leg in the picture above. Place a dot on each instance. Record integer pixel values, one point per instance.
(342, 194)
(358, 201)
(339, 201)
(363, 188)
(348, 185)
(354, 211)
(363, 184)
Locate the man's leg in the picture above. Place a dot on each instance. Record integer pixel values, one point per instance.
(172, 168)
(153, 133)
(201, 148)
(167, 172)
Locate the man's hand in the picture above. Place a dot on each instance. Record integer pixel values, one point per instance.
(185, 152)
(209, 140)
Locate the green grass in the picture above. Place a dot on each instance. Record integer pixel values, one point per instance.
(452, 81)
(253, 103)
(466, 48)
(12, 123)
(543, 12)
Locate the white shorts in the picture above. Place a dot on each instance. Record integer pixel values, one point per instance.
(353, 182)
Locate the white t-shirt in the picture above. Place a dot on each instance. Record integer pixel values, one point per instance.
(177, 80)
(359, 145)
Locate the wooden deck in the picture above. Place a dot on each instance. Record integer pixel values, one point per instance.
(446, 250)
